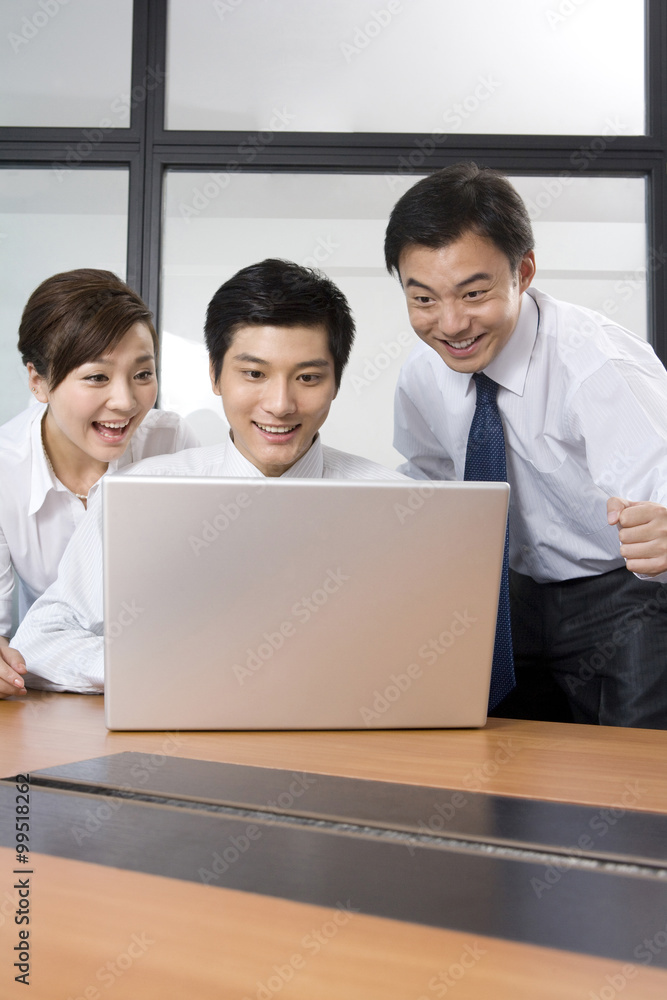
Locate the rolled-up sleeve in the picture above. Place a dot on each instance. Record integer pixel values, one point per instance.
(6, 586)
(61, 637)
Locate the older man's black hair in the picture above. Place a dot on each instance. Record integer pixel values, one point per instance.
(453, 202)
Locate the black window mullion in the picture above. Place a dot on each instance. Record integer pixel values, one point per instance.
(656, 88)
(153, 173)
(135, 224)
(148, 149)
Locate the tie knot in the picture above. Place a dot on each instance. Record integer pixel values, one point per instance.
(486, 387)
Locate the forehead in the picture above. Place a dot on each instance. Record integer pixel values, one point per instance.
(136, 342)
(137, 337)
(460, 260)
(281, 344)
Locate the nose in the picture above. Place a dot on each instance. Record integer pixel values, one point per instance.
(122, 395)
(278, 398)
(452, 319)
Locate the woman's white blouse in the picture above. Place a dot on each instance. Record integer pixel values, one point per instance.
(38, 514)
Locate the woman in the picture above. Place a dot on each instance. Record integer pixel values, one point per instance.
(90, 348)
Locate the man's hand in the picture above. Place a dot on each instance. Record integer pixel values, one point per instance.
(12, 668)
(642, 532)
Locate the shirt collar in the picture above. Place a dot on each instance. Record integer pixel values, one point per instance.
(41, 478)
(237, 465)
(510, 367)
(309, 466)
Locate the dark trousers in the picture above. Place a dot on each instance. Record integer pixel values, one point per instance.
(592, 649)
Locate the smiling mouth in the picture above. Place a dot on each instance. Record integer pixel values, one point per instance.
(111, 430)
(276, 430)
(462, 345)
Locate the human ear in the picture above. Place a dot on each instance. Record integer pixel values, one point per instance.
(37, 384)
(527, 270)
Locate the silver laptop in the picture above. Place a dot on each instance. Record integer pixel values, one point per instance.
(299, 604)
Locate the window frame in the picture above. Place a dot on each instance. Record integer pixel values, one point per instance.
(147, 149)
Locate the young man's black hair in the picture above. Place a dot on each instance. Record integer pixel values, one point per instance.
(279, 293)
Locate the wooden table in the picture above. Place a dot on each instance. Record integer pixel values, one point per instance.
(98, 931)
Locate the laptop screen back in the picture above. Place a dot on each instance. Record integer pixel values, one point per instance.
(299, 604)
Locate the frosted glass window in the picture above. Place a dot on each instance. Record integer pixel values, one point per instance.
(52, 221)
(67, 64)
(521, 66)
(591, 243)
(591, 248)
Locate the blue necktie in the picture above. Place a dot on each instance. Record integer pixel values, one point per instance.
(485, 461)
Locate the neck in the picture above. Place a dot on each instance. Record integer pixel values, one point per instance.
(74, 468)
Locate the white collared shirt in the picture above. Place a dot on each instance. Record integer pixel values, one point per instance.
(584, 409)
(61, 638)
(38, 515)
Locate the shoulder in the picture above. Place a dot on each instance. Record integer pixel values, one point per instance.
(16, 434)
(162, 432)
(343, 465)
(584, 340)
(161, 422)
(422, 358)
(208, 461)
(422, 367)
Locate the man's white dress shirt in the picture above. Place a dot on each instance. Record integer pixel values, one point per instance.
(61, 638)
(584, 410)
(38, 515)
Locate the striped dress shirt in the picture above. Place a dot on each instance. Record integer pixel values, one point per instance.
(38, 515)
(584, 409)
(61, 637)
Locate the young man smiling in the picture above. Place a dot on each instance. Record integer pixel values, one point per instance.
(278, 337)
(583, 409)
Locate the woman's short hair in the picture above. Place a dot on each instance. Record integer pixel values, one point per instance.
(460, 199)
(278, 293)
(76, 317)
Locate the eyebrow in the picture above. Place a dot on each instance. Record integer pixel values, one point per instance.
(479, 276)
(413, 283)
(251, 359)
(137, 361)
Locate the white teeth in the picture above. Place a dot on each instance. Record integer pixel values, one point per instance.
(114, 427)
(276, 430)
(462, 343)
